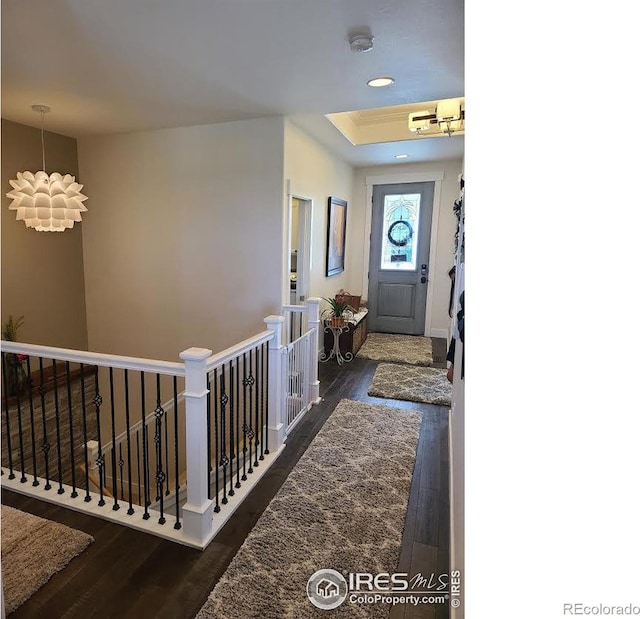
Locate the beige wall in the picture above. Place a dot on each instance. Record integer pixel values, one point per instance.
(314, 173)
(42, 272)
(444, 259)
(184, 247)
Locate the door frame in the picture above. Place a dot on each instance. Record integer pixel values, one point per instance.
(306, 205)
(435, 176)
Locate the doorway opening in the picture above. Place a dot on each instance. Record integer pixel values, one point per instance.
(299, 249)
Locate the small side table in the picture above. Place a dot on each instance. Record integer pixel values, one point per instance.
(335, 350)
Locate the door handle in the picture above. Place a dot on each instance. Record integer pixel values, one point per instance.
(423, 280)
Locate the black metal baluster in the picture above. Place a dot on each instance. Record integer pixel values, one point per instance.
(138, 465)
(224, 459)
(167, 485)
(160, 476)
(264, 380)
(97, 401)
(87, 496)
(177, 524)
(209, 463)
(257, 430)
(74, 493)
(121, 467)
(46, 447)
(33, 427)
(245, 383)
(128, 423)
(23, 477)
(258, 442)
(237, 409)
(57, 409)
(215, 424)
(7, 416)
(114, 473)
(147, 472)
(231, 429)
(145, 455)
(260, 408)
(249, 430)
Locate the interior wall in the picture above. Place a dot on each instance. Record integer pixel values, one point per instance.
(314, 173)
(445, 258)
(185, 243)
(42, 272)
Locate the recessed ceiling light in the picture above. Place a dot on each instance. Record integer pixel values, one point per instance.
(403, 156)
(379, 82)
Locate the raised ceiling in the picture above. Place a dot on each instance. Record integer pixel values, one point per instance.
(132, 65)
(387, 124)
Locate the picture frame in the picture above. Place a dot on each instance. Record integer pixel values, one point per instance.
(336, 235)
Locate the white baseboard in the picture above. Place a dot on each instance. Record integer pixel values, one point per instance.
(444, 333)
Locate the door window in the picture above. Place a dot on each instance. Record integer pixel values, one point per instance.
(401, 218)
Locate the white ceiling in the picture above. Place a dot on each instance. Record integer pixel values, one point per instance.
(130, 65)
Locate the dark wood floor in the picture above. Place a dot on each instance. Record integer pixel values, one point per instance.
(127, 574)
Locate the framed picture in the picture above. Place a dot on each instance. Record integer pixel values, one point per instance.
(336, 233)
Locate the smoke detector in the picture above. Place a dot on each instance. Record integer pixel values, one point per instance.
(361, 42)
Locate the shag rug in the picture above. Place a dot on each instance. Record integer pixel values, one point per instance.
(33, 550)
(342, 507)
(411, 349)
(411, 382)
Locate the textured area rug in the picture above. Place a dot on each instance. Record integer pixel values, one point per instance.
(33, 550)
(342, 507)
(411, 382)
(411, 349)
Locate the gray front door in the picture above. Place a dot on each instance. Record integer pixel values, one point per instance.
(399, 255)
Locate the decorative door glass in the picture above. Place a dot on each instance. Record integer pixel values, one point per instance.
(401, 217)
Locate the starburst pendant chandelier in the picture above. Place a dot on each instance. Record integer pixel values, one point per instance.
(48, 203)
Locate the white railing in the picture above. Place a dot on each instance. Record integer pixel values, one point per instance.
(60, 430)
(297, 362)
(301, 387)
(76, 399)
(167, 448)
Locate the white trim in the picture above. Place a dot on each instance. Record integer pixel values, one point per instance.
(444, 333)
(304, 245)
(410, 177)
(367, 241)
(435, 218)
(435, 176)
(286, 243)
(215, 361)
(307, 207)
(94, 358)
(136, 520)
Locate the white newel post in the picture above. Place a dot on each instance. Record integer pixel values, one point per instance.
(277, 427)
(198, 510)
(313, 320)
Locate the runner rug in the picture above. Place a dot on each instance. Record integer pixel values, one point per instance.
(411, 382)
(342, 507)
(411, 349)
(33, 550)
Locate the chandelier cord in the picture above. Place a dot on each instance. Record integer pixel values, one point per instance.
(44, 167)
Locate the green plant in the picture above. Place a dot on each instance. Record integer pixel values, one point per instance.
(11, 327)
(17, 379)
(337, 307)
